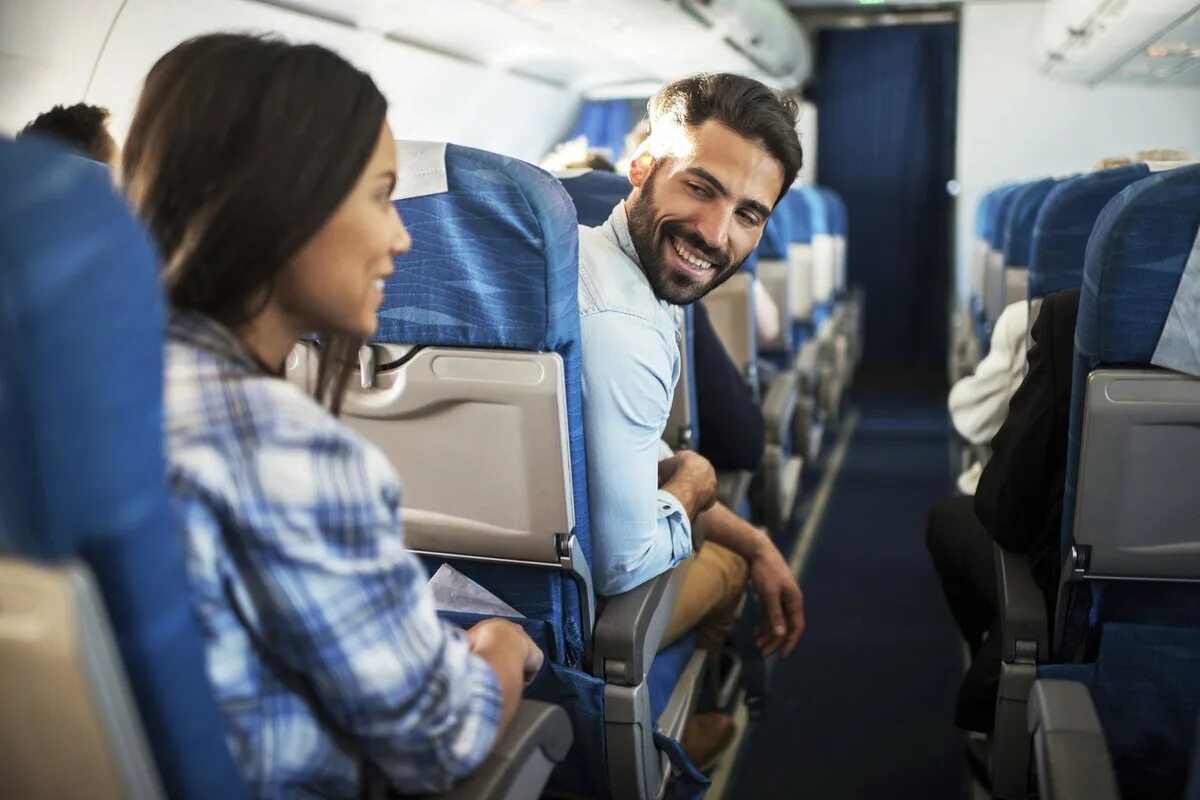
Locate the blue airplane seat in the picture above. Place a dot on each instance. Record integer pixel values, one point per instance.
(775, 272)
(1065, 223)
(82, 472)
(993, 300)
(1012, 279)
(1128, 612)
(479, 336)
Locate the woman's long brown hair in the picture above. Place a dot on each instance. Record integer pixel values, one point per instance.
(240, 149)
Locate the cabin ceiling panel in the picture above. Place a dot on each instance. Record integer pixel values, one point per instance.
(573, 43)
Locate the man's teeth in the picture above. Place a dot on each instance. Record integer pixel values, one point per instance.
(691, 259)
(379, 284)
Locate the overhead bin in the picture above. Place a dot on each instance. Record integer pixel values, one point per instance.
(763, 31)
(1090, 41)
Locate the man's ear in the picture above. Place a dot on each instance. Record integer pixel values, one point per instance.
(640, 168)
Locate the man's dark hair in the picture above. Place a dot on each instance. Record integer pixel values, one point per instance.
(81, 126)
(745, 106)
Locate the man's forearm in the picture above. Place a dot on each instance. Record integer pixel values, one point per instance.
(729, 530)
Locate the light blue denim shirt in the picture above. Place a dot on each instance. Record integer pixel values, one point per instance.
(630, 366)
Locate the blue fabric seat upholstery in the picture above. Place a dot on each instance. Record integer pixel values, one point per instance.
(1022, 216)
(1139, 639)
(1065, 222)
(81, 468)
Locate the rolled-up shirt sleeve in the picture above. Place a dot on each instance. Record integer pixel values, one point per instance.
(638, 530)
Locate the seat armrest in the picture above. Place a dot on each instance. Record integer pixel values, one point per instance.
(779, 405)
(1068, 743)
(807, 365)
(538, 737)
(630, 628)
(1025, 634)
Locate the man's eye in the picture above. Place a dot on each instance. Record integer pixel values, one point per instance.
(698, 189)
(749, 218)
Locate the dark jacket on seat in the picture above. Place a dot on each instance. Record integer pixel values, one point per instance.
(1020, 494)
(730, 421)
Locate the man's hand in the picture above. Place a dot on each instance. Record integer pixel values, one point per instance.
(691, 479)
(783, 602)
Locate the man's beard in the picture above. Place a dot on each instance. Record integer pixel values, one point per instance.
(668, 283)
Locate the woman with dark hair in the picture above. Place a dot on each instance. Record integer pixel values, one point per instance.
(265, 172)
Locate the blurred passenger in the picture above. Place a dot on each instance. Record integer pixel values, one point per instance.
(81, 127)
(265, 171)
(722, 151)
(979, 401)
(1018, 504)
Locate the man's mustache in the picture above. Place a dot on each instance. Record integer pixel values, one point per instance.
(716, 256)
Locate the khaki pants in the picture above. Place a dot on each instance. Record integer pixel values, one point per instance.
(712, 586)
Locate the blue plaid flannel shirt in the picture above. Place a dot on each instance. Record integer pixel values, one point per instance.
(291, 516)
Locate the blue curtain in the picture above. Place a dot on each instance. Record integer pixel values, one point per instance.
(886, 101)
(604, 123)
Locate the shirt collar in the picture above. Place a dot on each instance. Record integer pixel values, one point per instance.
(200, 330)
(617, 229)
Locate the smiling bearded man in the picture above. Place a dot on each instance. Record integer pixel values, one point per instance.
(721, 152)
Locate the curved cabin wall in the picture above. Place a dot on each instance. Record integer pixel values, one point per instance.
(48, 49)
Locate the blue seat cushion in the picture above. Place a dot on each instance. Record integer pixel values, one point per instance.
(665, 671)
(81, 469)
(1145, 683)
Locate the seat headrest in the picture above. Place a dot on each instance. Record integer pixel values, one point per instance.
(1065, 223)
(837, 211)
(810, 216)
(1018, 236)
(1134, 263)
(595, 194)
(777, 235)
(495, 255)
(983, 213)
(999, 224)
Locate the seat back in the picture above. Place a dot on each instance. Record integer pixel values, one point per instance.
(82, 481)
(993, 273)
(1064, 223)
(838, 229)
(776, 273)
(1130, 601)
(801, 209)
(1133, 434)
(595, 194)
(824, 252)
(981, 244)
(472, 386)
(1013, 282)
(731, 309)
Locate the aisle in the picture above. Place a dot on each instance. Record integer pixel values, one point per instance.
(862, 709)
